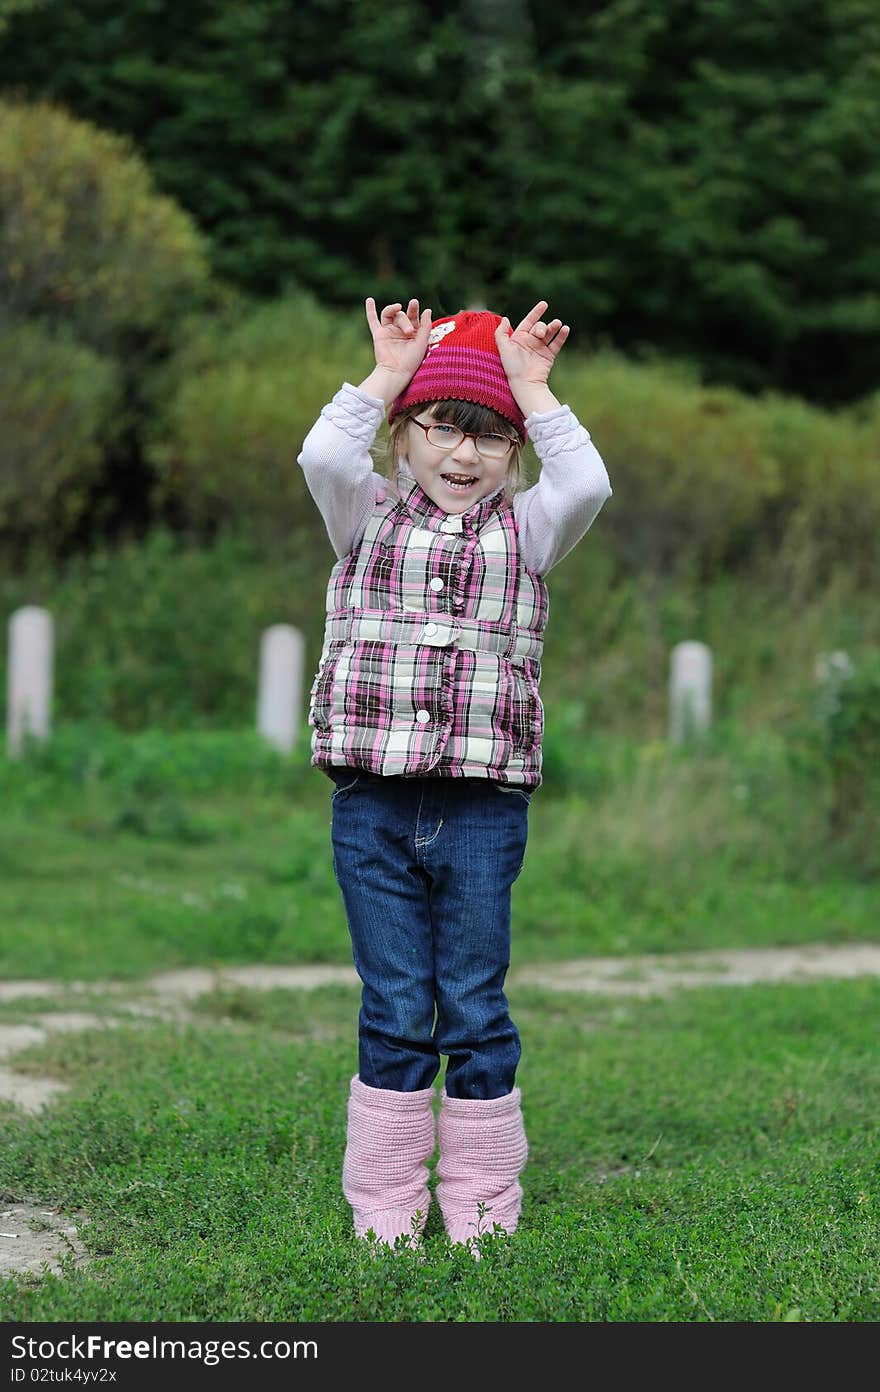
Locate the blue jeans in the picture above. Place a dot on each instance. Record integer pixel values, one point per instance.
(425, 866)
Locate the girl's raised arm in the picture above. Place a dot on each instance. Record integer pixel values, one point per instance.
(335, 456)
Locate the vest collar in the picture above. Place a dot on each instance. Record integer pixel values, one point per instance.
(426, 513)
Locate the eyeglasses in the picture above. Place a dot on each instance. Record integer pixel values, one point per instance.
(449, 437)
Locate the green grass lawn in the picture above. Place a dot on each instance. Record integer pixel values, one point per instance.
(710, 1156)
(134, 854)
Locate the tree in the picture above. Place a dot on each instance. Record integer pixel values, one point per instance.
(85, 239)
(97, 271)
(696, 178)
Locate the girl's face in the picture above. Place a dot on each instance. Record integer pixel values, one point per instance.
(455, 478)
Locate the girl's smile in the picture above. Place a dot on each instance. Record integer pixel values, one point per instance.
(460, 483)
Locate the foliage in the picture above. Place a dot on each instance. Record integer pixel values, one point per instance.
(708, 479)
(87, 241)
(8, 8)
(677, 179)
(233, 405)
(842, 741)
(97, 269)
(60, 404)
(692, 469)
(852, 736)
(705, 479)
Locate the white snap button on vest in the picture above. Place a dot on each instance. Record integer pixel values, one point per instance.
(436, 583)
(423, 717)
(430, 630)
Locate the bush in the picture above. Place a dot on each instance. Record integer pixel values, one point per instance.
(85, 238)
(850, 736)
(97, 271)
(234, 405)
(691, 469)
(707, 478)
(60, 406)
(841, 742)
(151, 771)
(827, 517)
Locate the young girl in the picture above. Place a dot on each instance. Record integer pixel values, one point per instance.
(426, 715)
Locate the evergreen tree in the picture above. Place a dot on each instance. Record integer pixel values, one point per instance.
(696, 178)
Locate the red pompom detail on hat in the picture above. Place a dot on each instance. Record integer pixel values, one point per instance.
(463, 364)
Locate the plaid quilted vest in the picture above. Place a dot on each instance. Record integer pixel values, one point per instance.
(432, 647)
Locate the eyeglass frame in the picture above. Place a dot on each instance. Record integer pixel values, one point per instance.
(466, 435)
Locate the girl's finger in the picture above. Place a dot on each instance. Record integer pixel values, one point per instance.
(372, 317)
(533, 315)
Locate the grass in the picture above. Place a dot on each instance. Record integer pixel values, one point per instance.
(122, 855)
(710, 1156)
(707, 1157)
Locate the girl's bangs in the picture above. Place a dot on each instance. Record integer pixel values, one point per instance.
(470, 415)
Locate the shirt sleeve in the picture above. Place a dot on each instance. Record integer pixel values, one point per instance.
(560, 508)
(338, 467)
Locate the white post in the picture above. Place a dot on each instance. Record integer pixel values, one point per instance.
(832, 669)
(29, 684)
(282, 650)
(690, 691)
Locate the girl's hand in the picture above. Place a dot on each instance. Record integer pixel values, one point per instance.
(400, 339)
(528, 353)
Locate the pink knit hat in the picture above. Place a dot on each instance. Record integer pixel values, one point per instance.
(463, 364)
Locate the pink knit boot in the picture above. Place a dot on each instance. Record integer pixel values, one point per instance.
(384, 1175)
(482, 1152)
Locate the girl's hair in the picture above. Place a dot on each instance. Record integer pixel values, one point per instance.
(482, 420)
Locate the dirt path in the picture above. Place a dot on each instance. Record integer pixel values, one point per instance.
(35, 1236)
